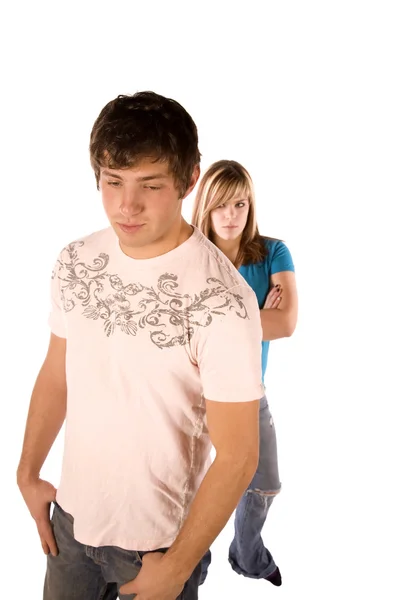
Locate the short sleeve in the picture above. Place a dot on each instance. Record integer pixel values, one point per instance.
(280, 258)
(57, 317)
(228, 348)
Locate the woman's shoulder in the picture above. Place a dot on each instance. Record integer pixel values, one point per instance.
(278, 256)
(268, 251)
(273, 245)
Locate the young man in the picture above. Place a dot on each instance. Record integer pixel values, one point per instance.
(153, 357)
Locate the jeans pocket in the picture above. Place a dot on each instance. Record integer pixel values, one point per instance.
(56, 509)
(60, 512)
(264, 403)
(141, 553)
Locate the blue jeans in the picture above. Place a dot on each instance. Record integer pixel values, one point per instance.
(247, 554)
(82, 572)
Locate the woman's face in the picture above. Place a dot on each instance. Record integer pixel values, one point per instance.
(229, 220)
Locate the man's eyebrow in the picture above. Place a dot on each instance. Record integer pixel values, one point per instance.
(144, 178)
(154, 176)
(111, 174)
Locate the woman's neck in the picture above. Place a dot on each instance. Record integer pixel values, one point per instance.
(229, 247)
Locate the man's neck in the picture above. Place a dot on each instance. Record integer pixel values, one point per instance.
(177, 236)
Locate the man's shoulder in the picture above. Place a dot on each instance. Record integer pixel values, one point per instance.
(87, 252)
(96, 241)
(215, 264)
(96, 238)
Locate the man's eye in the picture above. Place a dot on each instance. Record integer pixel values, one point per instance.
(152, 187)
(114, 183)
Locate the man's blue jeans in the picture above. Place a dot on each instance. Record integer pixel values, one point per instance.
(82, 572)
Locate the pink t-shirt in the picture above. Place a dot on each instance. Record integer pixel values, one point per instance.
(147, 342)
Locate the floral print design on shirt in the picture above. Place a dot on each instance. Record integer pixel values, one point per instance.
(104, 296)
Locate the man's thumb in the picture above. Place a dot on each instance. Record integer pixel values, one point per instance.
(128, 588)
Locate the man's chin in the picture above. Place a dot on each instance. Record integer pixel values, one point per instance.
(130, 237)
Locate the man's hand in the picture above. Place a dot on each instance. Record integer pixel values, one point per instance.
(274, 297)
(154, 581)
(39, 495)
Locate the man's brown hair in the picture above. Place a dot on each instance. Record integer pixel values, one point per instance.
(145, 125)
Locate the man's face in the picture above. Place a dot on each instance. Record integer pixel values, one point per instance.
(142, 204)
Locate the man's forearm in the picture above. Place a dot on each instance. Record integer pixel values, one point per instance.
(275, 323)
(46, 415)
(215, 501)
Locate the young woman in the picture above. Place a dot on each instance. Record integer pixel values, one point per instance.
(224, 211)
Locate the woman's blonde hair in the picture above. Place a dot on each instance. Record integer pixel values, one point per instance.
(222, 181)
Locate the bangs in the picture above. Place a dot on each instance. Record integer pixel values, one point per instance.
(126, 158)
(226, 188)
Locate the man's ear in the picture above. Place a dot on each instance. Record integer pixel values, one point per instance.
(193, 180)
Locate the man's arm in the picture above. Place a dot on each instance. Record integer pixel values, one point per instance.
(45, 417)
(233, 429)
(281, 322)
(227, 350)
(46, 411)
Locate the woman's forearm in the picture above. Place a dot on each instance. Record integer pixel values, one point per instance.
(276, 324)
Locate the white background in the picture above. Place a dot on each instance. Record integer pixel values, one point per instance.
(306, 95)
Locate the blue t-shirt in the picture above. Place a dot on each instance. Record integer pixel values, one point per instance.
(258, 277)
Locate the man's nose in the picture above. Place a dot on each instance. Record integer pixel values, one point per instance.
(131, 204)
